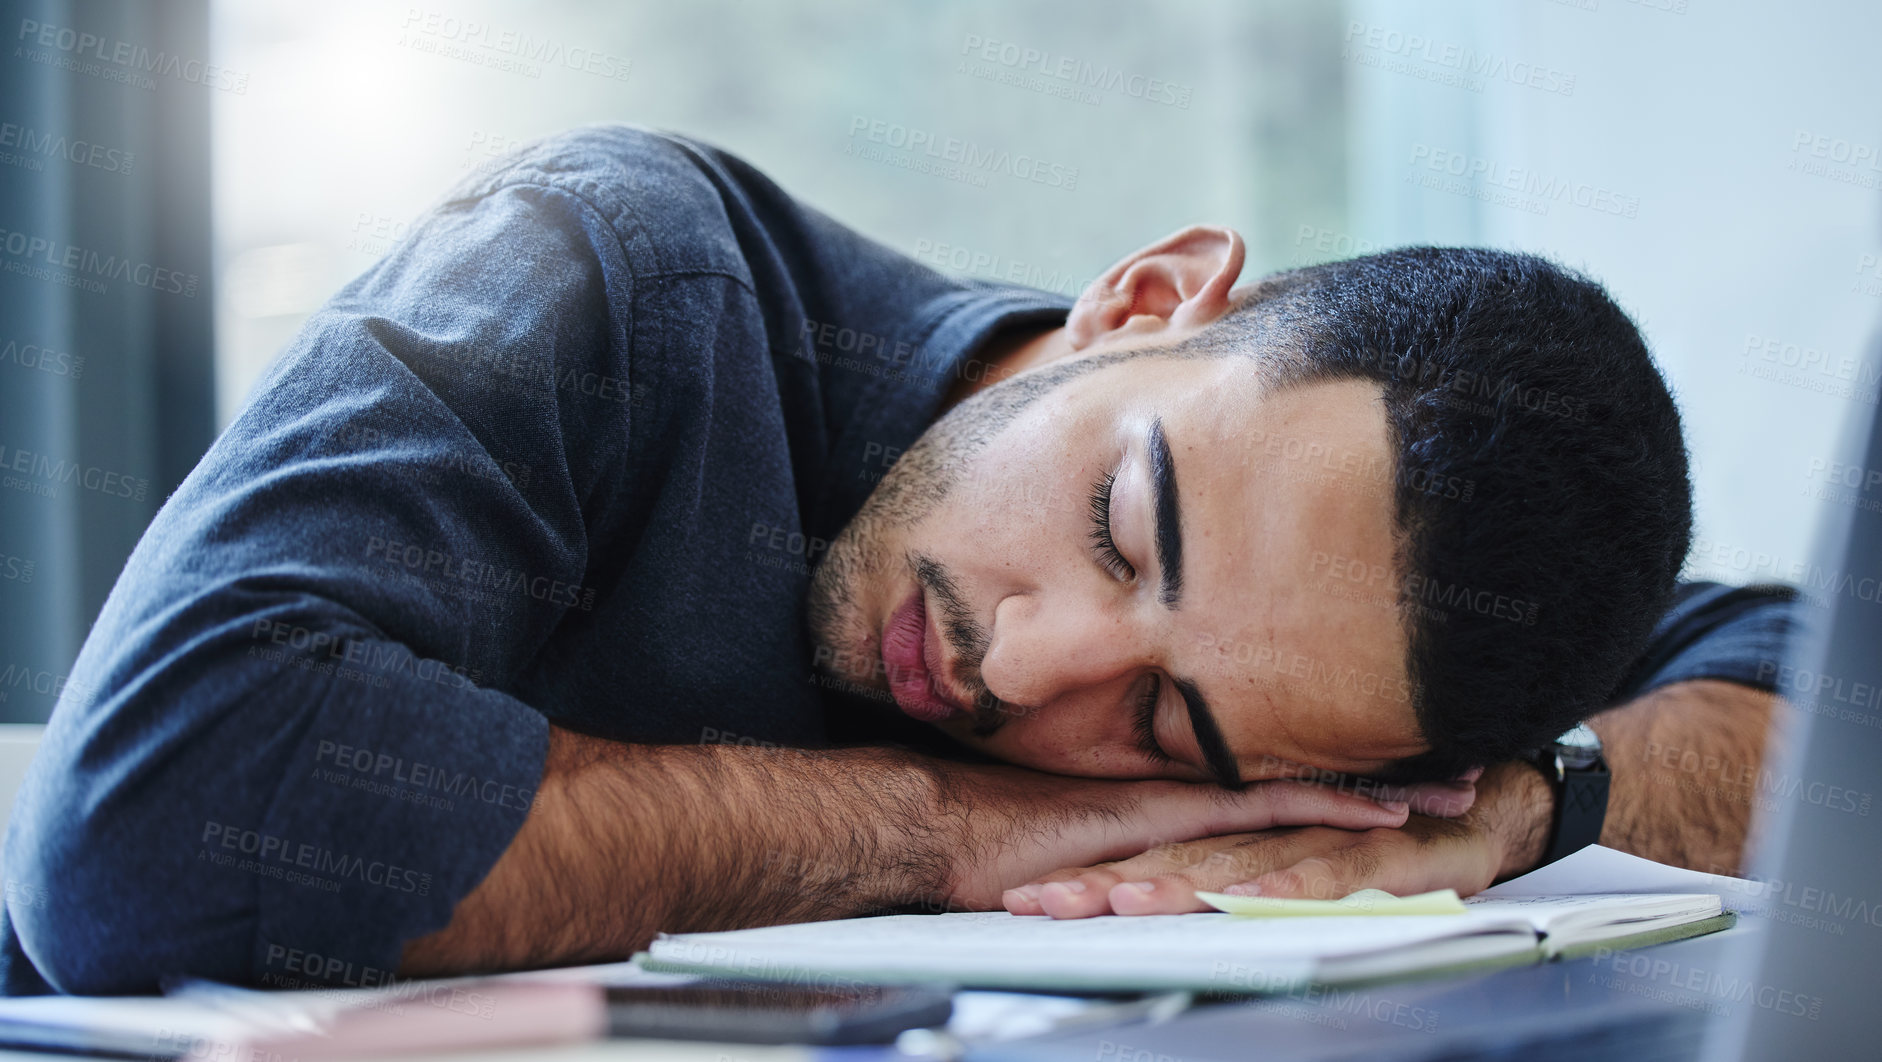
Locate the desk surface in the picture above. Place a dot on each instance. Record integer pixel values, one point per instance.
(1487, 1014)
(600, 1051)
(1410, 1019)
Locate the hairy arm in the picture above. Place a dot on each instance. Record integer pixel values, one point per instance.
(627, 840)
(1686, 760)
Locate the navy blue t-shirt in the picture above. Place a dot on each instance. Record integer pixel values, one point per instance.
(567, 454)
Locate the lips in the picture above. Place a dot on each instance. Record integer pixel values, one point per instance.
(910, 653)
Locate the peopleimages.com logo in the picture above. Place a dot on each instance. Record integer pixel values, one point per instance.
(120, 60)
(952, 155)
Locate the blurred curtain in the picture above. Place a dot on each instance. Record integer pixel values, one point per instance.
(106, 358)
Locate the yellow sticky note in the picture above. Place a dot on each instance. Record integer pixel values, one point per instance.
(1363, 902)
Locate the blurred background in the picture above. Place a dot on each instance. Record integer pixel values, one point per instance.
(181, 183)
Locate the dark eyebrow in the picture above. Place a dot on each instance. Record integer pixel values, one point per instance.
(1215, 751)
(1169, 524)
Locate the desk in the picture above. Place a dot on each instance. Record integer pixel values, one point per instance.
(1505, 1013)
(600, 1051)
(1511, 1013)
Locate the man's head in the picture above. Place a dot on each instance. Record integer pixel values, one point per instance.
(1394, 516)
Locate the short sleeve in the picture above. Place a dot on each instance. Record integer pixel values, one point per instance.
(1713, 631)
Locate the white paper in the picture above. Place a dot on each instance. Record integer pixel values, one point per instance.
(133, 1024)
(982, 947)
(1596, 892)
(1596, 869)
(1555, 913)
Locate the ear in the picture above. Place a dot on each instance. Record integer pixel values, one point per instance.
(1179, 283)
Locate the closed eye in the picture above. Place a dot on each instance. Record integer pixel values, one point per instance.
(1144, 723)
(1103, 547)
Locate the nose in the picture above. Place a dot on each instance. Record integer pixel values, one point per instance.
(1046, 645)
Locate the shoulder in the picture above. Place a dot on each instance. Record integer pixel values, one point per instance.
(657, 191)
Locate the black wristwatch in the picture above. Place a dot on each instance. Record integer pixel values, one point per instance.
(1579, 778)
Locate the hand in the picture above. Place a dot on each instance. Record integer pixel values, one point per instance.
(1493, 837)
(1008, 824)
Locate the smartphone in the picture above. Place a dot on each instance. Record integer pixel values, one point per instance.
(759, 1013)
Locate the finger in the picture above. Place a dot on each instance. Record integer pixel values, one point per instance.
(1442, 800)
(1152, 883)
(1081, 897)
(1294, 803)
(1424, 855)
(1249, 857)
(1184, 811)
(1160, 861)
(1466, 786)
(1175, 858)
(1313, 878)
(1170, 894)
(1387, 859)
(1024, 899)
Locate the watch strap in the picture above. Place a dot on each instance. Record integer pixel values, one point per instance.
(1581, 807)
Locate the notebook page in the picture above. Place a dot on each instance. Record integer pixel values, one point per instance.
(1596, 869)
(1568, 913)
(1195, 948)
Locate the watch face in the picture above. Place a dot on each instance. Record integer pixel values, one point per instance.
(1579, 748)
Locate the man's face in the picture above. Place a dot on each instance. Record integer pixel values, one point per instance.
(1251, 591)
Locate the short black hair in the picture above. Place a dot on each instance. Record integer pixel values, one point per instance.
(1542, 504)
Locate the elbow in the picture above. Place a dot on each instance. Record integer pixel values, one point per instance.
(105, 900)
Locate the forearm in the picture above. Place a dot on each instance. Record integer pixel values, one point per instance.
(1685, 762)
(627, 840)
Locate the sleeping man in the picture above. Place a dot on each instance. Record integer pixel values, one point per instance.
(635, 548)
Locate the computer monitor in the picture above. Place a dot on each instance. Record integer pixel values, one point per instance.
(1806, 980)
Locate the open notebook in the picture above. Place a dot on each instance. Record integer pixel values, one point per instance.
(1597, 898)
(1565, 906)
